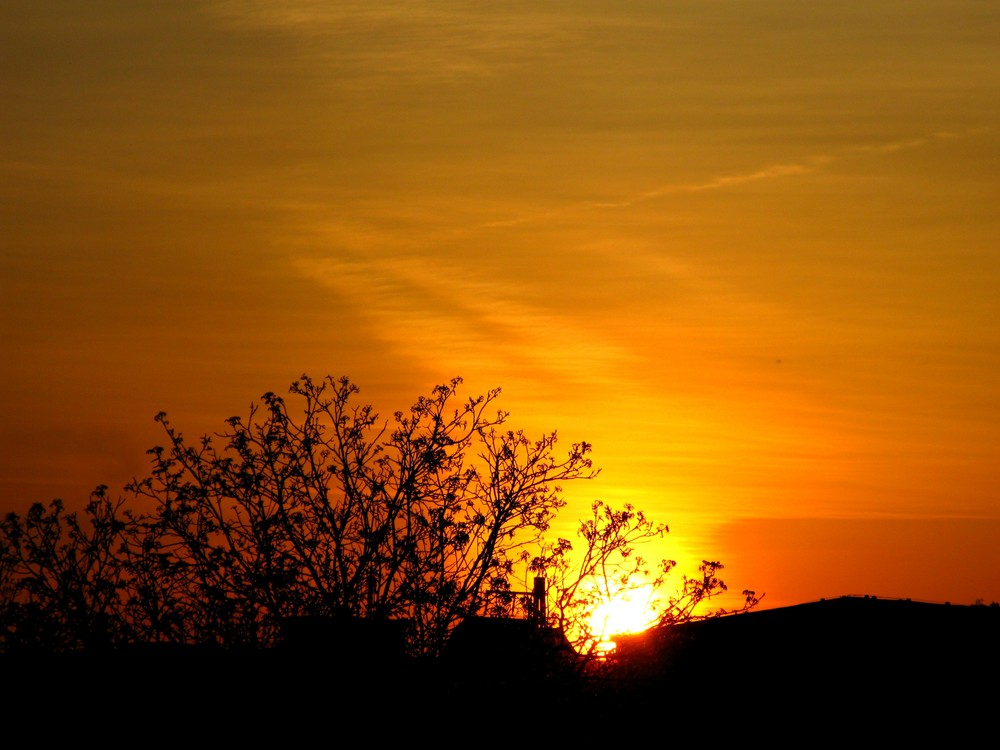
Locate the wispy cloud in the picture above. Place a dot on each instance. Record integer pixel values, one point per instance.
(407, 40)
(437, 313)
(770, 172)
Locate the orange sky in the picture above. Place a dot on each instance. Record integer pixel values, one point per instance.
(747, 249)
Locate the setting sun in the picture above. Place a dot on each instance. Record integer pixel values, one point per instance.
(630, 611)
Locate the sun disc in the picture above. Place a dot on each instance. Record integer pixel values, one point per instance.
(623, 614)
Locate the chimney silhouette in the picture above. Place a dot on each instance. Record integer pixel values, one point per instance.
(538, 600)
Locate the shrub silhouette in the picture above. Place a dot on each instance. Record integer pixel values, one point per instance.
(435, 516)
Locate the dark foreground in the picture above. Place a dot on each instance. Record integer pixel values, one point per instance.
(841, 669)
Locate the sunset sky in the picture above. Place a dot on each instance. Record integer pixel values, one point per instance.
(749, 249)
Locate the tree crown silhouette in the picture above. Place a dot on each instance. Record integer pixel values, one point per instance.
(437, 515)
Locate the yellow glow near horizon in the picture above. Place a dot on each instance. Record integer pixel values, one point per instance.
(627, 611)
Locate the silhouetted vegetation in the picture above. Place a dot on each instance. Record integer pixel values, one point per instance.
(330, 514)
(333, 566)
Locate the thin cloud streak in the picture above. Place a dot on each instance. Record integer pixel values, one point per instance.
(772, 172)
(414, 42)
(442, 314)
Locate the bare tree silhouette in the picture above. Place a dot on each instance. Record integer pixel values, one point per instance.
(326, 511)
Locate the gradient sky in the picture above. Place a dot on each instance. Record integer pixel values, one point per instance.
(749, 249)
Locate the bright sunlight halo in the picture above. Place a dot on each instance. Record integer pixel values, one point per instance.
(625, 613)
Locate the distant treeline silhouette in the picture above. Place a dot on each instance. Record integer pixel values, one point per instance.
(438, 516)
